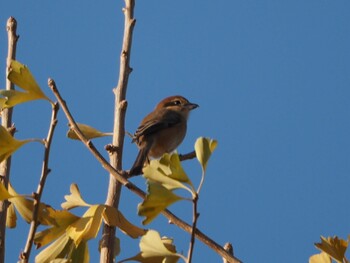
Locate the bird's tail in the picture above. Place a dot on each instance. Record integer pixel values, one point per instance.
(136, 169)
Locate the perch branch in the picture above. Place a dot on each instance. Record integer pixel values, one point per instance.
(120, 176)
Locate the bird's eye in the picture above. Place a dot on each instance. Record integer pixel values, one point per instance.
(177, 102)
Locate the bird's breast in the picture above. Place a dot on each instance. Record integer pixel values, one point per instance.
(167, 140)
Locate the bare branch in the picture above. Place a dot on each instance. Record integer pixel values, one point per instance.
(187, 156)
(6, 121)
(114, 188)
(37, 195)
(120, 176)
(194, 227)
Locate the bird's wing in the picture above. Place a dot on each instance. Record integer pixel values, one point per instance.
(168, 119)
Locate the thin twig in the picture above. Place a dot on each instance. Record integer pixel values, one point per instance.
(6, 121)
(114, 189)
(37, 195)
(120, 176)
(187, 156)
(194, 227)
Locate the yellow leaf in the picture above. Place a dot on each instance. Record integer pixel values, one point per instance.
(151, 245)
(204, 148)
(157, 199)
(80, 254)
(57, 249)
(320, 258)
(8, 144)
(63, 219)
(168, 172)
(25, 208)
(88, 131)
(20, 75)
(87, 226)
(155, 249)
(61, 260)
(113, 217)
(4, 194)
(11, 217)
(334, 247)
(2, 103)
(74, 199)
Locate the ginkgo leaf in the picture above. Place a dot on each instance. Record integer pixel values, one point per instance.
(8, 144)
(58, 249)
(63, 219)
(61, 260)
(74, 199)
(4, 194)
(320, 258)
(154, 250)
(87, 226)
(11, 217)
(334, 247)
(113, 217)
(157, 199)
(204, 148)
(20, 75)
(80, 254)
(152, 245)
(25, 208)
(2, 103)
(88, 131)
(169, 172)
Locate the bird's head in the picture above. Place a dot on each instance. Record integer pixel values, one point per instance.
(177, 103)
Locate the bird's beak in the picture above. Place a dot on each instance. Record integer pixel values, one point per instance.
(191, 106)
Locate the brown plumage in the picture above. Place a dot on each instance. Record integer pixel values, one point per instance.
(162, 130)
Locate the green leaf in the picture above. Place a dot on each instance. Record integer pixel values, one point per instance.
(8, 144)
(88, 131)
(155, 249)
(204, 147)
(74, 199)
(20, 75)
(157, 199)
(334, 247)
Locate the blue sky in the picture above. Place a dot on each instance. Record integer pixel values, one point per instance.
(272, 80)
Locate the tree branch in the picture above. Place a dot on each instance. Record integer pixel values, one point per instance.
(37, 195)
(6, 121)
(114, 188)
(194, 227)
(120, 176)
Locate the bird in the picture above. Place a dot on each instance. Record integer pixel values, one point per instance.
(162, 130)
